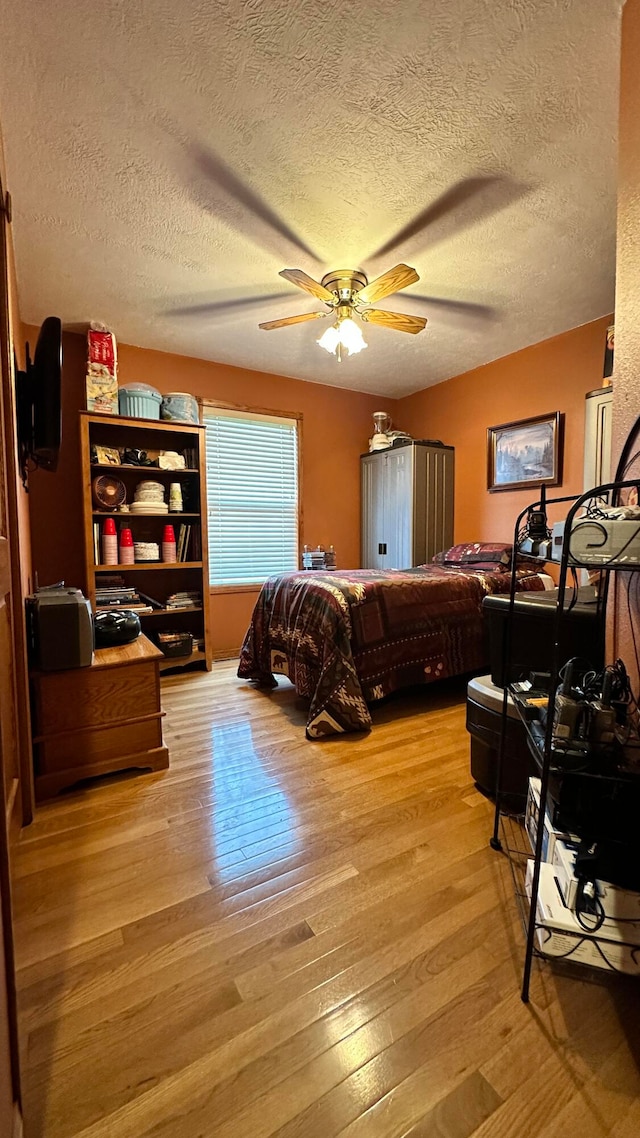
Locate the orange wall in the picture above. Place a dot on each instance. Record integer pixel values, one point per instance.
(551, 376)
(626, 389)
(335, 430)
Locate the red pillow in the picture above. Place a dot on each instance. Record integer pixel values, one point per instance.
(476, 553)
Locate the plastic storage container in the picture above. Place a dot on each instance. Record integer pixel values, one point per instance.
(139, 401)
(180, 407)
(175, 644)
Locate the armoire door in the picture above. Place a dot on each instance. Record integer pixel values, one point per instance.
(387, 509)
(398, 507)
(372, 525)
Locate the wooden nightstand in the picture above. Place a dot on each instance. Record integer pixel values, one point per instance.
(92, 721)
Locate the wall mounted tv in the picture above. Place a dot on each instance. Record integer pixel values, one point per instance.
(38, 399)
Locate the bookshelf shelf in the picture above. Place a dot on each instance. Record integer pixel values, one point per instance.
(148, 565)
(170, 578)
(171, 612)
(143, 471)
(180, 661)
(168, 519)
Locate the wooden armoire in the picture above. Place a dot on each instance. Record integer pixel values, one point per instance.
(407, 505)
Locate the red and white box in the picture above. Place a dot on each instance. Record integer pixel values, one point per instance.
(102, 371)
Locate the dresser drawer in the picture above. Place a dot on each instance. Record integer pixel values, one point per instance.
(89, 697)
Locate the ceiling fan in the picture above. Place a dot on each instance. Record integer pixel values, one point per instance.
(347, 293)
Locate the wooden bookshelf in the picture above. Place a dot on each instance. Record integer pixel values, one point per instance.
(156, 579)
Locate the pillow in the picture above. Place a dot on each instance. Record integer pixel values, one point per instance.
(480, 566)
(494, 553)
(525, 559)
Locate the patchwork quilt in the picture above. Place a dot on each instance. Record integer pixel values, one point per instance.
(348, 639)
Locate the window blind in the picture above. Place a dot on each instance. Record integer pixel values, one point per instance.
(252, 495)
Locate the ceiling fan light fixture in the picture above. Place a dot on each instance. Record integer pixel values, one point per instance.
(351, 337)
(344, 334)
(330, 338)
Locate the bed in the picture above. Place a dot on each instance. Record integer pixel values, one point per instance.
(347, 639)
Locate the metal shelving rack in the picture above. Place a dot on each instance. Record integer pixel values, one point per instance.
(509, 836)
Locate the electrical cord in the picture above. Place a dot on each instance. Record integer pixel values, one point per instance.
(574, 597)
(632, 623)
(588, 904)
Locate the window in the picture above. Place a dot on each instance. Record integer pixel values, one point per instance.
(252, 493)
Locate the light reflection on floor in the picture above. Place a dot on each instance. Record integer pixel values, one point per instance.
(249, 810)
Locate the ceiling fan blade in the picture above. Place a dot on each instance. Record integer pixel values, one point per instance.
(291, 320)
(392, 281)
(302, 280)
(398, 320)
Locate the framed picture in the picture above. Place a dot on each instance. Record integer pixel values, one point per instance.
(607, 371)
(107, 456)
(526, 453)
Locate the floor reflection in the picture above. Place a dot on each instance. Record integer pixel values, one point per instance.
(251, 816)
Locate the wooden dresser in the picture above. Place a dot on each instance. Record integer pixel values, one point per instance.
(92, 721)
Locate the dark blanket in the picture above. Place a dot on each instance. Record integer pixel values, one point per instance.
(347, 639)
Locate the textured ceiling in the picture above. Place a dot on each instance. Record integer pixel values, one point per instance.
(167, 158)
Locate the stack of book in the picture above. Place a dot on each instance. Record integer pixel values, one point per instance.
(121, 597)
(318, 558)
(188, 545)
(184, 600)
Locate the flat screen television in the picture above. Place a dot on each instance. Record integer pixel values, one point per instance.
(38, 397)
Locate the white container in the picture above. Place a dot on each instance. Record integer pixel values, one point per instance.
(551, 835)
(180, 407)
(558, 932)
(148, 491)
(175, 498)
(146, 550)
(617, 903)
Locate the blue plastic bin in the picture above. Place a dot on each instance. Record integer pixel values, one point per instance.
(139, 401)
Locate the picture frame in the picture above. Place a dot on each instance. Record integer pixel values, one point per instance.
(107, 456)
(525, 453)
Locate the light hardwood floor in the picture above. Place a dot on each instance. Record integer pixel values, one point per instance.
(301, 939)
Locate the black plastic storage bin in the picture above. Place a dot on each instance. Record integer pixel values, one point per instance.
(484, 717)
(533, 629)
(175, 644)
